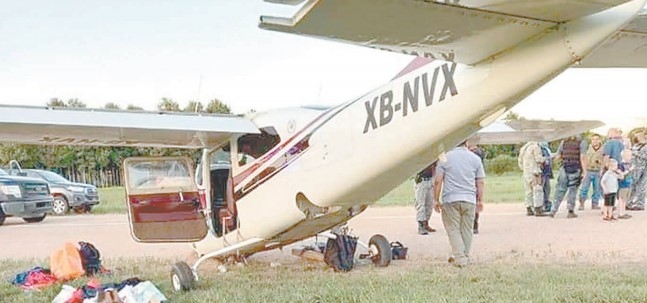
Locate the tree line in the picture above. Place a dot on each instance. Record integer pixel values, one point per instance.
(97, 164)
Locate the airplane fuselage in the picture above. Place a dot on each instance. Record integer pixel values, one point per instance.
(351, 155)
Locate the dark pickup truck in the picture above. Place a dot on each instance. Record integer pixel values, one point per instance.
(23, 197)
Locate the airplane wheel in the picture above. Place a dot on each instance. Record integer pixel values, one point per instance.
(380, 249)
(182, 277)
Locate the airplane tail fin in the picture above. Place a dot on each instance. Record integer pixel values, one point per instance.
(416, 63)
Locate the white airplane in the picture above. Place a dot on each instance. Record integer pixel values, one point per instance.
(273, 178)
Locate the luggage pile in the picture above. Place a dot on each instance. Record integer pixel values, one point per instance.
(132, 290)
(75, 260)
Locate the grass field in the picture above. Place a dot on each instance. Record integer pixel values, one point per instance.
(404, 281)
(498, 189)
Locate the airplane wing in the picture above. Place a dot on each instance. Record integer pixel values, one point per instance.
(454, 30)
(521, 131)
(627, 48)
(43, 125)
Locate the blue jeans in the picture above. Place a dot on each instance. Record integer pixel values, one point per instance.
(546, 180)
(592, 178)
(566, 182)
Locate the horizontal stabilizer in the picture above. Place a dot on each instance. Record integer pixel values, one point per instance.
(521, 131)
(58, 126)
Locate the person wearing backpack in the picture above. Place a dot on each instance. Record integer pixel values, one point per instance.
(531, 161)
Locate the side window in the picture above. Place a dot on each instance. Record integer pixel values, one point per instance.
(32, 174)
(254, 146)
(159, 174)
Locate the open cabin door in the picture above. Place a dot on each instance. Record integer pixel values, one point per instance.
(163, 200)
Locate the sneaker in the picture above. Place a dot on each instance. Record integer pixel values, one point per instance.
(581, 206)
(595, 207)
(625, 216)
(529, 211)
(476, 231)
(571, 215)
(551, 214)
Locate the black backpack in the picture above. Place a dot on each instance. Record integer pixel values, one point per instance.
(90, 258)
(340, 252)
(398, 251)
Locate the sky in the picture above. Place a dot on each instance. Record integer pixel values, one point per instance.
(137, 52)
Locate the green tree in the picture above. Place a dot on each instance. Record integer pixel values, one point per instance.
(216, 106)
(56, 102)
(168, 105)
(133, 107)
(194, 107)
(75, 103)
(512, 116)
(111, 105)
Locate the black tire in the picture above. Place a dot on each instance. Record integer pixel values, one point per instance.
(81, 209)
(2, 216)
(36, 219)
(383, 256)
(182, 278)
(60, 207)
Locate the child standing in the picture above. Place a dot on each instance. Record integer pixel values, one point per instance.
(609, 185)
(624, 189)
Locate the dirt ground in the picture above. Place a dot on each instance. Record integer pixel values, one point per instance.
(506, 235)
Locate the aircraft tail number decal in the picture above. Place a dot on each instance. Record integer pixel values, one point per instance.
(381, 110)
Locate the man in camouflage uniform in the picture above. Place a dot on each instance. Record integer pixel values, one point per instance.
(639, 164)
(531, 161)
(594, 159)
(571, 152)
(424, 188)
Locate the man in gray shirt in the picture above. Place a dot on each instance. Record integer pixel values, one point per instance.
(460, 177)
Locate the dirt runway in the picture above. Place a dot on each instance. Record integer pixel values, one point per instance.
(507, 234)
